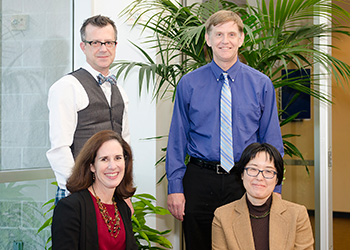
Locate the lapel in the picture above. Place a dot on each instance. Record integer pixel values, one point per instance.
(242, 226)
(278, 225)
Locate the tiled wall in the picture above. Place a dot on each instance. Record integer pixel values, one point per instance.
(32, 58)
(22, 213)
(35, 51)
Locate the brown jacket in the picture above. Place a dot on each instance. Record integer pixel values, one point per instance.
(289, 224)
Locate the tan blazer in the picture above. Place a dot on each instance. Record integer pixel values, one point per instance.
(289, 226)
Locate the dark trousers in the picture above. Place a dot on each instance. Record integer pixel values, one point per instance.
(205, 191)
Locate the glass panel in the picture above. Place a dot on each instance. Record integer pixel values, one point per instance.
(35, 50)
(299, 184)
(22, 214)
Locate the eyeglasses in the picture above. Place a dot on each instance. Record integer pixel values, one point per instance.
(98, 44)
(254, 172)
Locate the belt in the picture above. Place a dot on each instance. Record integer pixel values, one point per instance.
(212, 165)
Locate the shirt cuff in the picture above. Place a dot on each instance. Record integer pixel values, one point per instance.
(175, 186)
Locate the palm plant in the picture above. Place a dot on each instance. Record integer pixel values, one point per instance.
(145, 236)
(279, 35)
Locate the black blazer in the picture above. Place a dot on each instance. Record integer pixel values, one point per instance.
(74, 223)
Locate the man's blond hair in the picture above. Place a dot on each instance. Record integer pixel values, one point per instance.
(223, 16)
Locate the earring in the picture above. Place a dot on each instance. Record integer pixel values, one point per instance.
(93, 176)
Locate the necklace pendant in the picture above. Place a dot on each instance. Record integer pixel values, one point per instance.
(113, 224)
(260, 216)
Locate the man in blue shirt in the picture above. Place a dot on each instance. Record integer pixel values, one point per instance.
(196, 190)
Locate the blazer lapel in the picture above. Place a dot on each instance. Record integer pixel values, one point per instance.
(242, 226)
(278, 228)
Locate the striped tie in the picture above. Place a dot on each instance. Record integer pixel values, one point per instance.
(226, 144)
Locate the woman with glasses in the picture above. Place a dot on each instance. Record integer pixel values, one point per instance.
(261, 220)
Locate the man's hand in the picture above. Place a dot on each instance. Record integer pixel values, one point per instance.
(176, 205)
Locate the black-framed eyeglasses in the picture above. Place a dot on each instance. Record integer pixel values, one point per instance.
(98, 44)
(254, 172)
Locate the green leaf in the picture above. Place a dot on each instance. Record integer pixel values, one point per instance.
(47, 223)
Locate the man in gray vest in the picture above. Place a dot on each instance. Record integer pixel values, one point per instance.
(86, 101)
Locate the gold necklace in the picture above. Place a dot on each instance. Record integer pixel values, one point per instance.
(260, 216)
(113, 224)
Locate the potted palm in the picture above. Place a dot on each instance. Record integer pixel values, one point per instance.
(280, 36)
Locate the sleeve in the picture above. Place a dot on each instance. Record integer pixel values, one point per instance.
(62, 104)
(125, 213)
(177, 141)
(217, 234)
(269, 127)
(125, 121)
(304, 235)
(65, 228)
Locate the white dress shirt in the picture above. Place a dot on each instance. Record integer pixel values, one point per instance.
(66, 98)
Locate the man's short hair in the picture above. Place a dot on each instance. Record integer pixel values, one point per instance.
(98, 21)
(223, 16)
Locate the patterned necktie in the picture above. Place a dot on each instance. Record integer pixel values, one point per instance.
(226, 144)
(111, 79)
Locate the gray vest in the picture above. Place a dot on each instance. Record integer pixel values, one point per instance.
(97, 115)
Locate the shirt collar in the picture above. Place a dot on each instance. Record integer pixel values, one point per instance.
(91, 70)
(217, 71)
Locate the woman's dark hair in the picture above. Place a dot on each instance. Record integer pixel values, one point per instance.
(82, 177)
(253, 149)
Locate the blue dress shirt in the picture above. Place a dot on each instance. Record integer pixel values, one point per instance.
(195, 125)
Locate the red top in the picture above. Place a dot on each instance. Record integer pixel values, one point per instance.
(106, 241)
